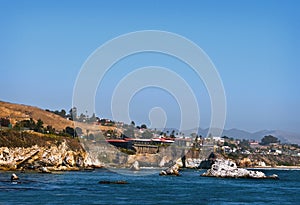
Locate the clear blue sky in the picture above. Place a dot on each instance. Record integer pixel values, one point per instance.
(254, 45)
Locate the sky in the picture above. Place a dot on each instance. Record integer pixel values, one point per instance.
(254, 46)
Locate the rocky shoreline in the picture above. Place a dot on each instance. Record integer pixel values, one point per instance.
(45, 153)
(62, 158)
(36, 158)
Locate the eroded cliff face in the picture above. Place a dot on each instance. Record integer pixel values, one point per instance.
(34, 151)
(54, 157)
(109, 156)
(60, 155)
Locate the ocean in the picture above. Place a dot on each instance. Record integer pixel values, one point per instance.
(82, 187)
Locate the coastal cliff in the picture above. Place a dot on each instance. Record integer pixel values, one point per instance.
(107, 155)
(28, 150)
(33, 151)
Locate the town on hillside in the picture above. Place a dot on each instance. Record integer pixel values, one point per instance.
(139, 139)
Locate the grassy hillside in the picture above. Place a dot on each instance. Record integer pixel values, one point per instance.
(17, 112)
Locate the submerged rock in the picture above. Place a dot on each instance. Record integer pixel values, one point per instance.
(228, 169)
(113, 182)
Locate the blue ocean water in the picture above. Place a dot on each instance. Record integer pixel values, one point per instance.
(82, 187)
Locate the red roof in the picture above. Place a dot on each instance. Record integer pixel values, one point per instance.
(115, 140)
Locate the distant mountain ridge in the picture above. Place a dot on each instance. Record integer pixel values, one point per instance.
(283, 136)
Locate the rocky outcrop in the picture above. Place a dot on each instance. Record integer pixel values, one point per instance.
(113, 182)
(192, 163)
(173, 170)
(228, 169)
(135, 166)
(51, 158)
(14, 177)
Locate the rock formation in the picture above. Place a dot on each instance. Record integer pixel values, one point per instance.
(135, 166)
(228, 169)
(14, 177)
(44, 170)
(207, 163)
(51, 158)
(173, 170)
(113, 182)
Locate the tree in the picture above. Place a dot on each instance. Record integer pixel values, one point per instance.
(49, 129)
(30, 124)
(63, 113)
(78, 131)
(132, 123)
(245, 144)
(5, 122)
(266, 140)
(93, 118)
(143, 126)
(173, 134)
(91, 137)
(226, 144)
(70, 131)
(129, 132)
(147, 134)
(82, 118)
(73, 113)
(39, 126)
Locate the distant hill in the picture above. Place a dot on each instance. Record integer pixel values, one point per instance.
(17, 112)
(283, 136)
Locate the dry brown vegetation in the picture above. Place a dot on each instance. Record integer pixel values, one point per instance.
(17, 112)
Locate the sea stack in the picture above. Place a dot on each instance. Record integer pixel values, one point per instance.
(14, 177)
(173, 170)
(228, 169)
(135, 166)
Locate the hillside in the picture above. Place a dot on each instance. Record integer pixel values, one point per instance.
(17, 112)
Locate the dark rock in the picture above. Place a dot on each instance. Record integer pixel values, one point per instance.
(113, 182)
(14, 177)
(206, 164)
